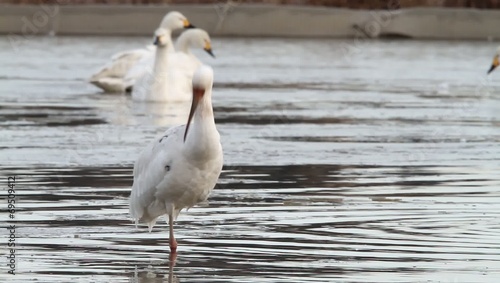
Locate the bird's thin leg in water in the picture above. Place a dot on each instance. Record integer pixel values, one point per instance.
(172, 241)
(171, 264)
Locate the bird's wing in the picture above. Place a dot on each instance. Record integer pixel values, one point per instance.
(109, 85)
(120, 63)
(150, 170)
(141, 68)
(141, 87)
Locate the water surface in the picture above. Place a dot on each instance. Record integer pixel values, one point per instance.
(345, 161)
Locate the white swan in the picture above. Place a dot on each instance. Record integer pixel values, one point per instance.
(180, 168)
(110, 77)
(171, 76)
(182, 62)
(155, 87)
(496, 61)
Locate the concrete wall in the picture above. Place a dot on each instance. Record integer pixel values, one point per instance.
(253, 20)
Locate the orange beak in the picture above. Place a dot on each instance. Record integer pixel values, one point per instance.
(197, 96)
(495, 64)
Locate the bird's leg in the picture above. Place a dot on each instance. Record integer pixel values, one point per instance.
(172, 241)
(171, 264)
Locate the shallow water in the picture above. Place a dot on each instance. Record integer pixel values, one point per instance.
(345, 161)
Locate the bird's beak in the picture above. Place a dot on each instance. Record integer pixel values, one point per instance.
(157, 40)
(197, 96)
(187, 24)
(208, 48)
(209, 51)
(494, 64)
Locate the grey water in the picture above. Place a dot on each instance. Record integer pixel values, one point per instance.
(344, 161)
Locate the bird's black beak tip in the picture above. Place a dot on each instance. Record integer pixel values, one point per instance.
(209, 51)
(491, 69)
(190, 26)
(156, 41)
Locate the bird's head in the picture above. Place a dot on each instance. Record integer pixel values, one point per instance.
(161, 37)
(175, 20)
(202, 81)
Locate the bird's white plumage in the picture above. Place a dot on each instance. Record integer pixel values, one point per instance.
(111, 76)
(170, 173)
(180, 66)
(157, 85)
(140, 69)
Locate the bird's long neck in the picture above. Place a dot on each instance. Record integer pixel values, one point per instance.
(203, 139)
(205, 112)
(170, 44)
(161, 60)
(166, 25)
(182, 44)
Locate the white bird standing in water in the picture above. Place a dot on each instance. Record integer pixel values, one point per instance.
(180, 168)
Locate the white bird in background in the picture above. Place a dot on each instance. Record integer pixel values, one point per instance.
(180, 168)
(157, 86)
(496, 61)
(181, 64)
(110, 77)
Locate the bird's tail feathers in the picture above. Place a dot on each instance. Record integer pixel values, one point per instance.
(151, 224)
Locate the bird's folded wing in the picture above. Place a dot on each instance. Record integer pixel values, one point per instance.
(120, 63)
(151, 169)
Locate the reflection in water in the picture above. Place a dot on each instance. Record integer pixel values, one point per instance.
(163, 114)
(155, 275)
(49, 116)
